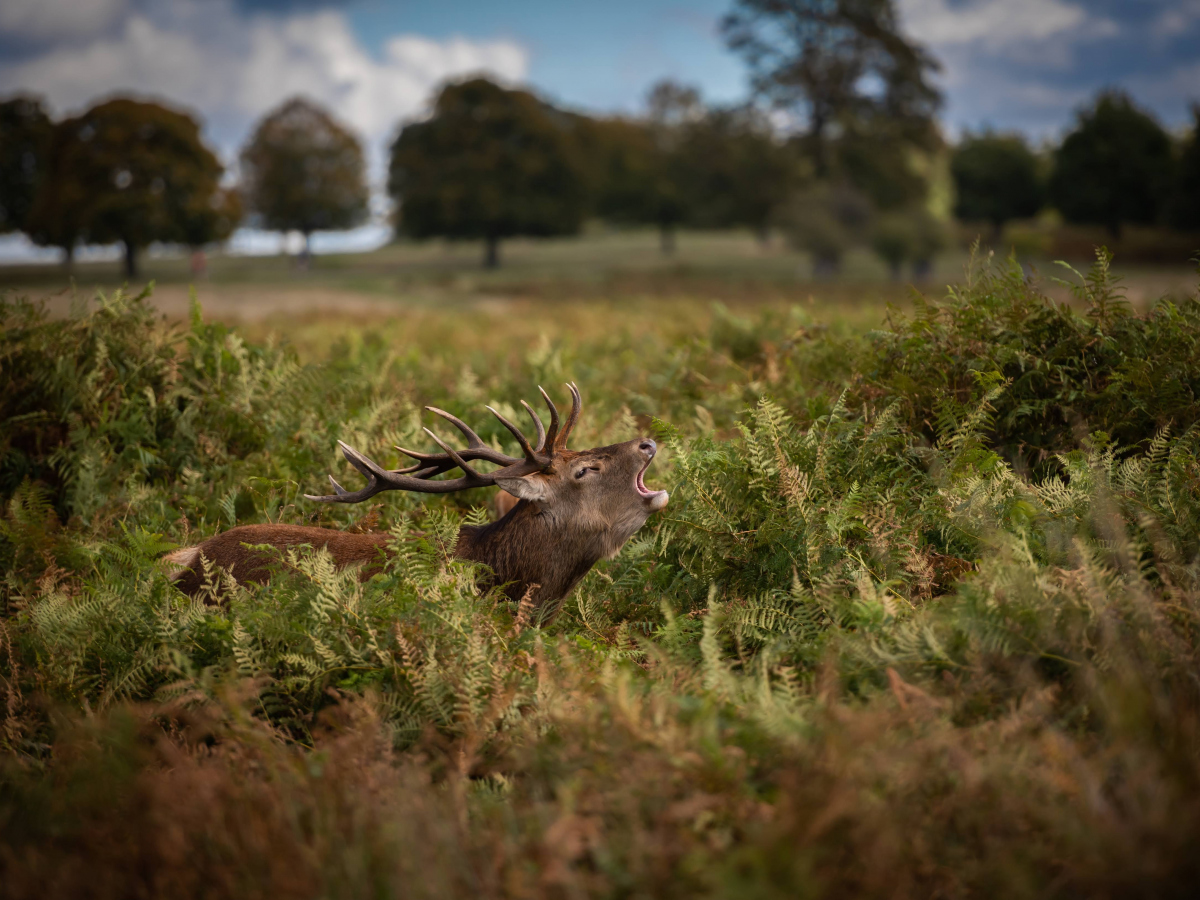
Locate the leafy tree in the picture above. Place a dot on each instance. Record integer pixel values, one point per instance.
(887, 161)
(911, 235)
(619, 158)
(673, 112)
(826, 220)
(489, 163)
(303, 171)
(996, 179)
(835, 62)
(127, 171)
(1185, 208)
(24, 141)
(1114, 168)
(738, 171)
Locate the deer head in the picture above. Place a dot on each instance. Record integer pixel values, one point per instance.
(577, 506)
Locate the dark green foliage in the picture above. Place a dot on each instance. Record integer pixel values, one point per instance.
(827, 219)
(24, 141)
(996, 179)
(1184, 207)
(739, 172)
(817, 57)
(1106, 369)
(132, 172)
(866, 649)
(489, 163)
(1114, 169)
(304, 171)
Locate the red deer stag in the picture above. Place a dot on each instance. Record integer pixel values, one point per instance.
(573, 508)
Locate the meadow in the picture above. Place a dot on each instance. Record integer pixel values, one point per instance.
(921, 619)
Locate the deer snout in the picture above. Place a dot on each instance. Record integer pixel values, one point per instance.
(648, 447)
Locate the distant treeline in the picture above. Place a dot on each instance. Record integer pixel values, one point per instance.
(838, 148)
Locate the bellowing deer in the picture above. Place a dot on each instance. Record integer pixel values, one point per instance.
(573, 508)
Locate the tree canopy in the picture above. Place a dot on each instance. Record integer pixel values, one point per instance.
(837, 64)
(24, 141)
(1115, 168)
(996, 179)
(131, 172)
(489, 163)
(1185, 206)
(303, 171)
(738, 170)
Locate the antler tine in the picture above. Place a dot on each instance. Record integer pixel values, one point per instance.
(552, 431)
(473, 440)
(537, 423)
(485, 453)
(516, 432)
(379, 479)
(576, 407)
(453, 454)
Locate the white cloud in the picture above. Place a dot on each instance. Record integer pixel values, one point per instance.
(232, 67)
(45, 20)
(1000, 23)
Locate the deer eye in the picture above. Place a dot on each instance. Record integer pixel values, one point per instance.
(585, 470)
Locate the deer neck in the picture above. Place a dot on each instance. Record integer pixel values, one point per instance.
(529, 548)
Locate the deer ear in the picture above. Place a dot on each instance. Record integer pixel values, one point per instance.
(525, 487)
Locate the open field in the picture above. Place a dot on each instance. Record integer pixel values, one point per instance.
(922, 617)
(732, 268)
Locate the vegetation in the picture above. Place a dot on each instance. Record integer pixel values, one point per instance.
(24, 137)
(489, 163)
(304, 172)
(819, 58)
(131, 172)
(996, 179)
(921, 617)
(1115, 168)
(1184, 210)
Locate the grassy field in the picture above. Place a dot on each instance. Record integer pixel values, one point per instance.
(921, 619)
(730, 267)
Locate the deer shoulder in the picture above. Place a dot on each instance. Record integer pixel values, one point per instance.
(566, 509)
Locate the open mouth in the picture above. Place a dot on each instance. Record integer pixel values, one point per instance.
(657, 499)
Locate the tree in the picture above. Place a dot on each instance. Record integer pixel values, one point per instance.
(834, 62)
(1185, 208)
(489, 163)
(24, 142)
(302, 171)
(911, 235)
(126, 171)
(1114, 168)
(826, 220)
(996, 179)
(737, 170)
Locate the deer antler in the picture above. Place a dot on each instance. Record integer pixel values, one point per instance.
(419, 477)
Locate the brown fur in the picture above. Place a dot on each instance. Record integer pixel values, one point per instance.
(580, 511)
(231, 550)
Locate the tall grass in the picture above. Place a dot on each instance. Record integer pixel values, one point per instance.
(921, 618)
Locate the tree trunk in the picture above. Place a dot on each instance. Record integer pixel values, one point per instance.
(817, 130)
(69, 258)
(763, 233)
(491, 252)
(130, 260)
(666, 238)
(306, 253)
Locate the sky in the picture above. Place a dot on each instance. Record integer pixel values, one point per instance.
(1010, 64)
(1025, 65)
